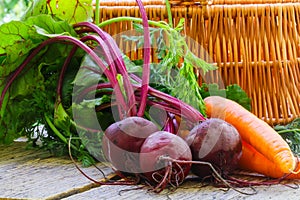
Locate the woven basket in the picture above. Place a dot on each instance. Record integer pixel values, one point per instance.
(254, 43)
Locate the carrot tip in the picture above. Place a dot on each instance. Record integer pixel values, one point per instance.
(295, 172)
(297, 167)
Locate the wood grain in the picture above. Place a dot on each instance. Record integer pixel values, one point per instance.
(35, 174)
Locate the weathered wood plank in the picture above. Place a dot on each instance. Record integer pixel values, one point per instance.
(35, 174)
(32, 174)
(189, 190)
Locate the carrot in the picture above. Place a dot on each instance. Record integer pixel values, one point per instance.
(254, 161)
(253, 130)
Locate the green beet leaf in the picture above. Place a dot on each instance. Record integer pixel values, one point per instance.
(47, 26)
(20, 39)
(37, 7)
(72, 11)
(33, 93)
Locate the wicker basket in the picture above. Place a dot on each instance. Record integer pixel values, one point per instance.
(254, 43)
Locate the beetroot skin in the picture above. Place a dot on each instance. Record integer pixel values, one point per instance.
(155, 167)
(217, 142)
(122, 141)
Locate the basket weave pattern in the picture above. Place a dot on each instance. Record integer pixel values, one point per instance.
(254, 43)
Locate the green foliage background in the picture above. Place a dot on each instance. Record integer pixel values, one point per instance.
(12, 9)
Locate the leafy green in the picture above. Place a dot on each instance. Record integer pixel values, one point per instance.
(177, 77)
(49, 27)
(32, 94)
(85, 76)
(12, 9)
(233, 92)
(33, 101)
(20, 39)
(36, 8)
(85, 158)
(87, 104)
(176, 69)
(291, 133)
(72, 11)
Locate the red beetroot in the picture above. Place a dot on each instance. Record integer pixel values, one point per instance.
(160, 158)
(217, 142)
(122, 142)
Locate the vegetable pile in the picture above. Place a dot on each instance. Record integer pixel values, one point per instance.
(264, 150)
(63, 77)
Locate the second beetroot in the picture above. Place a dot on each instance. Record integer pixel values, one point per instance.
(216, 142)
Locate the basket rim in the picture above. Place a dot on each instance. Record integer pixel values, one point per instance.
(194, 2)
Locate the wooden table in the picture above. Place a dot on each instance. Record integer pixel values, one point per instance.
(35, 174)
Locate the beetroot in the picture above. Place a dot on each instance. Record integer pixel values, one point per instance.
(160, 158)
(122, 141)
(217, 142)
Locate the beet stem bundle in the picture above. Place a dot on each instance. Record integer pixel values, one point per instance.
(132, 103)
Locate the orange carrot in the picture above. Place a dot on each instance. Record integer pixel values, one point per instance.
(254, 161)
(253, 130)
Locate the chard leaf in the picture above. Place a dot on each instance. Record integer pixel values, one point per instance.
(20, 39)
(45, 25)
(62, 119)
(37, 7)
(85, 114)
(33, 96)
(89, 73)
(72, 11)
(26, 84)
(91, 103)
(131, 66)
(2, 54)
(4, 104)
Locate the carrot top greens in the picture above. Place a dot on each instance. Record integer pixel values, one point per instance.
(291, 133)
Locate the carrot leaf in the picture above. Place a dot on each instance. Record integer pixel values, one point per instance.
(291, 133)
(233, 92)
